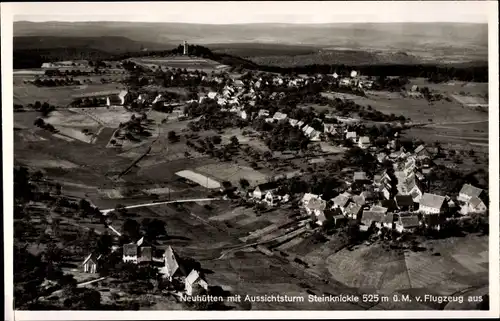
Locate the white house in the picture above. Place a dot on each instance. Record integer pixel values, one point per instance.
(261, 190)
(280, 116)
(474, 205)
(341, 201)
(431, 204)
(194, 280)
(352, 136)
(293, 122)
(90, 264)
(212, 95)
(468, 192)
(364, 142)
(271, 198)
(263, 113)
(171, 264)
(353, 211)
(315, 206)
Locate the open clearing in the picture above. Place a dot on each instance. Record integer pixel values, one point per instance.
(59, 96)
(199, 179)
(233, 173)
(189, 63)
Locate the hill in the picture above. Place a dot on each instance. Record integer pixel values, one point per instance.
(360, 36)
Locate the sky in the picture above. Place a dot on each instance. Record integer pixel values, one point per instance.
(255, 12)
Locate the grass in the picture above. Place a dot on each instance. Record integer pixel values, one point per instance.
(25, 94)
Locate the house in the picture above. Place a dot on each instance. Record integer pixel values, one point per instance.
(238, 83)
(90, 264)
(385, 192)
(345, 82)
(193, 283)
(468, 192)
(433, 221)
(475, 205)
(212, 95)
(389, 204)
(262, 189)
(279, 116)
(171, 263)
(369, 219)
(315, 206)
(300, 124)
(359, 199)
(421, 152)
(293, 122)
(378, 209)
(387, 221)
(407, 223)
(431, 204)
(368, 195)
(351, 135)
(307, 197)
(341, 201)
(414, 88)
(271, 198)
(243, 115)
(353, 211)
(137, 252)
(404, 202)
(364, 142)
(360, 177)
(381, 157)
(329, 129)
(263, 113)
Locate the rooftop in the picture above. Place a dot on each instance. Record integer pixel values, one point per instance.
(432, 200)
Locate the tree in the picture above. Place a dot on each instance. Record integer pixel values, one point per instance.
(244, 183)
(39, 122)
(104, 244)
(131, 228)
(234, 141)
(153, 228)
(172, 136)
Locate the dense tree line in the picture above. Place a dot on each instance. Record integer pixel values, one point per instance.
(435, 73)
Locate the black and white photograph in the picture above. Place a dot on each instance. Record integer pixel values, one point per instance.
(250, 156)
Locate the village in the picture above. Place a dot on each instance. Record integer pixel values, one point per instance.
(382, 192)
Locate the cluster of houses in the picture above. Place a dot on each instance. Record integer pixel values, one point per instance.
(398, 203)
(169, 264)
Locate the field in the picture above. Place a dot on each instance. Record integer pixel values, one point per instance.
(190, 63)
(25, 94)
(199, 179)
(232, 173)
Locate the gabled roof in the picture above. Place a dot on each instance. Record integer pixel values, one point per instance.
(409, 221)
(171, 264)
(470, 190)
(378, 209)
(264, 187)
(341, 200)
(388, 218)
(475, 202)
(419, 149)
(403, 200)
(432, 200)
(351, 135)
(360, 176)
(130, 249)
(92, 256)
(369, 217)
(359, 199)
(353, 209)
(193, 277)
(316, 204)
(364, 140)
(389, 204)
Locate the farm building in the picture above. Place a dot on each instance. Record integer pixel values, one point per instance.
(279, 116)
(315, 206)
(261, 190)
(90, 264)
(468, 192)
(352, 136)
(407, 223)
(360, 177)
(137, 252)
(431, 204)
(422, 152)
(194, 283)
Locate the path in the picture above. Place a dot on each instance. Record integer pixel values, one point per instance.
(106, 211)
(430, 124)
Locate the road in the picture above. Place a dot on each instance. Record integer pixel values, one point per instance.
(106, 211)
(430, 124)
